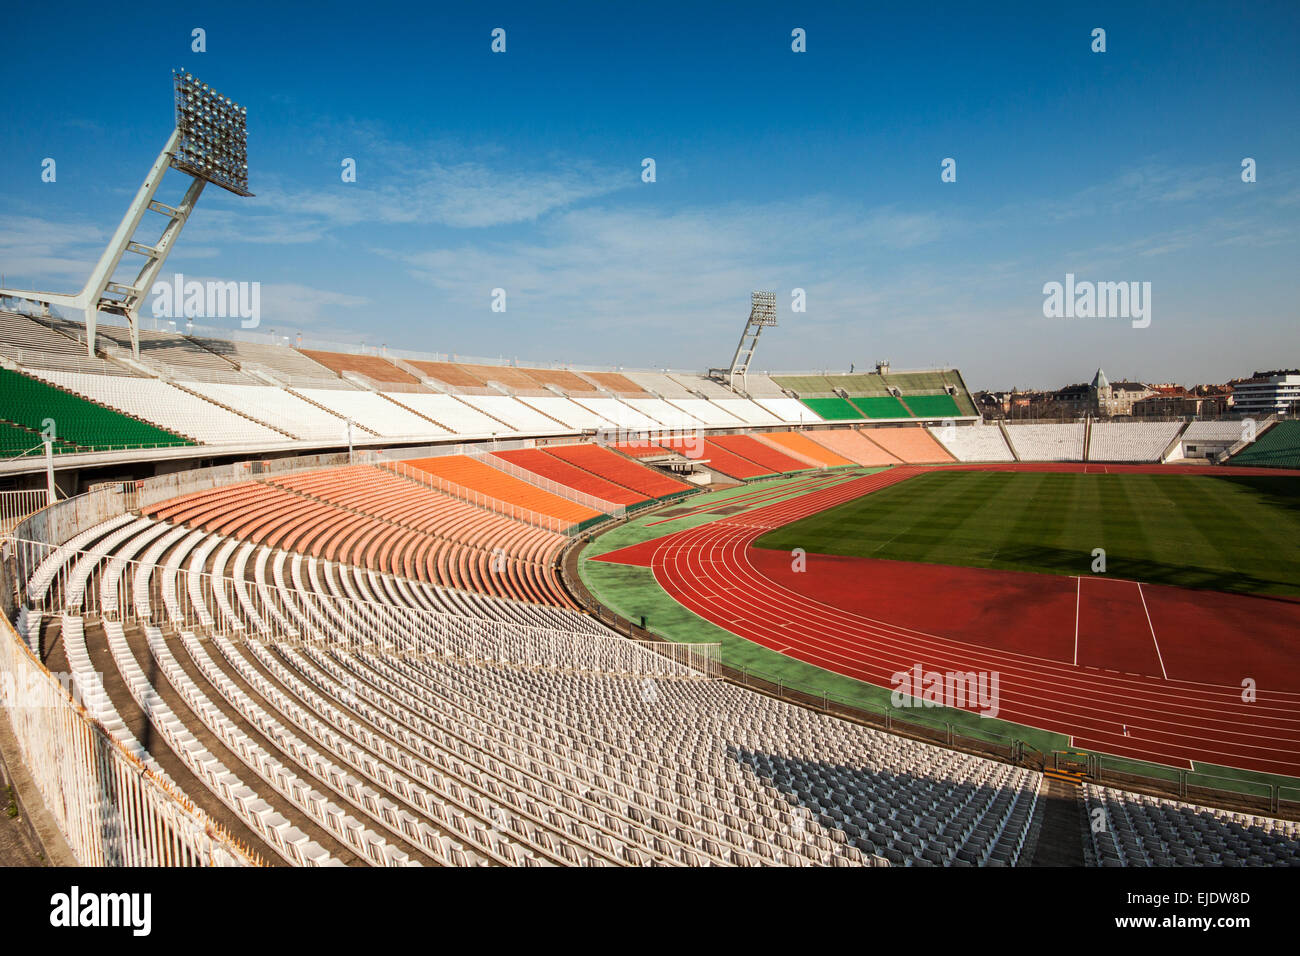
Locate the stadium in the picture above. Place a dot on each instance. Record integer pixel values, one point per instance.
(323, 603)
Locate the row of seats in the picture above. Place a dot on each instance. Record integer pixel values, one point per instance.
(910, 445)
(616, 468)
(1130, 441)
(1047, 442)
(476, 475)
(800, 445)
(1278, 447)
(375, 519)
(1138, 830)
(974, 443)
(41, 344)
(180, 355)
(34, 404)
(16, 441)
(397, 752)
(553, 468)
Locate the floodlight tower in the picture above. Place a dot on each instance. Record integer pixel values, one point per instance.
(209, 144)
(762, 313)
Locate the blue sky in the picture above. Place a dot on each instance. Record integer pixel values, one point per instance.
(775, 170)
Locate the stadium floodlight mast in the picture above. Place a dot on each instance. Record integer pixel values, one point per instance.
(209, 144)
(762, 313)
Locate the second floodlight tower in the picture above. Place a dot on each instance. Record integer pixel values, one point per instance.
(210, 145)
(762, 313)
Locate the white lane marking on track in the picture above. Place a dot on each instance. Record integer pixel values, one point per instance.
(1159, 656)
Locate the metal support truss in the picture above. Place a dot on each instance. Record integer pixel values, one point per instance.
(101, 293)
(762, 313)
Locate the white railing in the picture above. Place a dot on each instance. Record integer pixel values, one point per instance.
(150, 491)
(110, 808)
(547, 484)
(478, 499)
(17, 505)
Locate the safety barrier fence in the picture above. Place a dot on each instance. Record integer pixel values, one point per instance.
(547, 484)
(17, 505)
(478, 499)
(111, 809)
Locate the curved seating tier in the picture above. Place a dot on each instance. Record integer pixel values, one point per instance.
(393, 752)
(473, 474)
(974, 442)
(853, 445)
(799, 444)
(555, 468)
(378, 520)
(911, 445)
(718, 458)
(390, 751)
(759, 453)
(615, 468)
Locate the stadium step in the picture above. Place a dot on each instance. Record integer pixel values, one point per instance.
(1060, 838)
(1069, 777)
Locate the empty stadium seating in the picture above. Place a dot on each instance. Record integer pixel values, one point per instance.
(399, 754)
(554, 468)
(1149, 831)
(375, 413)
(746, 411)
(718, 458)
(517, 415)
(616, 383)
(643, 448)
(1230, 431)
(373, 367)
(1278, 447)
(1130, 441)
(879, 406)
(1042, 442)
(804, 448)
(293, 414)
(664, 414)
(562, 379)
(790, 410)
(973, 442)
(833, 409)
(17, 441)
(710, 413)
(473, 474)
(660, 384)
(175, 354)
(619, 413)
(616, 468)
(164, 404)
(449, 373)
(853, 445)
(31, 403)
(760, 453)
(450, 412)
(286, 364)
(910, 444)
(563, 410)
(50, 343)
(938, 405)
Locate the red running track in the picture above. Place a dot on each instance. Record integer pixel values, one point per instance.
(1086, 657)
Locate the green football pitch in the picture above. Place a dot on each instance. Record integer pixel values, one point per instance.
(1230, 533)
